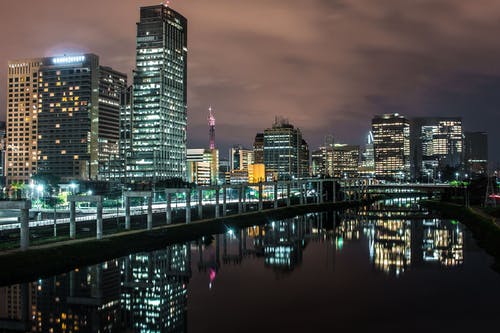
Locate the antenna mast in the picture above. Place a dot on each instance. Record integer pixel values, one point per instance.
(211, 128)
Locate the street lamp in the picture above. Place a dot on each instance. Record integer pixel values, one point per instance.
(456, 175)
(428, 177)
(73, 187)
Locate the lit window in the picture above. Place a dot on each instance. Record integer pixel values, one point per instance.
(63, 152)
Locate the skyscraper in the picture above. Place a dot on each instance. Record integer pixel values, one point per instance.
(62, 117)
(78, 123)
(283, 150)
(345, 160)
(437, 144)
(211, 128)
(391, 144)
(160, 96)
(22, 111)
(258, 149)
(476, 153)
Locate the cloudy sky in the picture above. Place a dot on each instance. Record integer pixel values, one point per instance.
(326, 65)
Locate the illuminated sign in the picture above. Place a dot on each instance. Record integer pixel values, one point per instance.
(68, 60)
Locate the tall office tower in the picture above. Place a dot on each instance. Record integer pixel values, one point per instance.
(391, 144)
(78, 117)
(111, 86)
(22, 110)
(3, 147)
(160, 96)
(345, 160)
(118, 166)
(258, 149)
(203, 166)
(240, 158)
(476, 153)
(367, 163)
(437, 145)
(282, 146)
(317, 163)
(211, 128)
(304, 159)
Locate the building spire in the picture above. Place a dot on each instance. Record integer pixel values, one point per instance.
(211, 128)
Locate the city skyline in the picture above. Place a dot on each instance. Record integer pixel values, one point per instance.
(406, 58)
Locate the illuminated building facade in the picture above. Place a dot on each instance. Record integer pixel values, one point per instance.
(437, 144)
(283, 150)
(3, 148)
(62, 117)
(258, 148)
(240, 160)
(345, 160)
(21, 151)
(160, 96)
(322, 159)
(203, 166)
(476, 153)
(78, 122)
(367, 163)
(391, 144)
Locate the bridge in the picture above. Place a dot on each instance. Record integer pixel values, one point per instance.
(215, 198)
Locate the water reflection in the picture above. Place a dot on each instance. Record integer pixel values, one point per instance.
(147, 292)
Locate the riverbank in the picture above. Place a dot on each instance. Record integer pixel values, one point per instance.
(47, 260)
(483, 227)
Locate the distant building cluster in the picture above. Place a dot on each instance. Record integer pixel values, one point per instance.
(72, 117)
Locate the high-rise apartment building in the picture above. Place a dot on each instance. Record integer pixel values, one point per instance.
(367, 162)
(3, 147)
(391, 144)
(22, 111)
(160, 96)
(476, 153)
(283, 151)
(62, 117)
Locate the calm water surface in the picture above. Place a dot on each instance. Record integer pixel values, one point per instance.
(391, 268)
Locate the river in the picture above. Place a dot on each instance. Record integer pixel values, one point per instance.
(393, 266)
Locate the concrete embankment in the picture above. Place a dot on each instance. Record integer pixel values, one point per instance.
(484, 229)
(47, 260)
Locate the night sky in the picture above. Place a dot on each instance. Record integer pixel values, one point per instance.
(326, 65)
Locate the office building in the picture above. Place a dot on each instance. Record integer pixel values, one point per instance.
(476, 153)
(63, 117)
(367, 162)
(21, 129)
(283, 150)
(203, 166)
(391, 144)
(345, 161)
(160, 96)
(258, 148)
(437, 147)
(3, 148)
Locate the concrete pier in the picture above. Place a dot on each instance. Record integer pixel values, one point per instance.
(224, 198)
(188, 206)
(127, 213)
(169, 207)
(217, 190)
(73, 199)
(260, 197)
(200, 203)
(275, 185)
